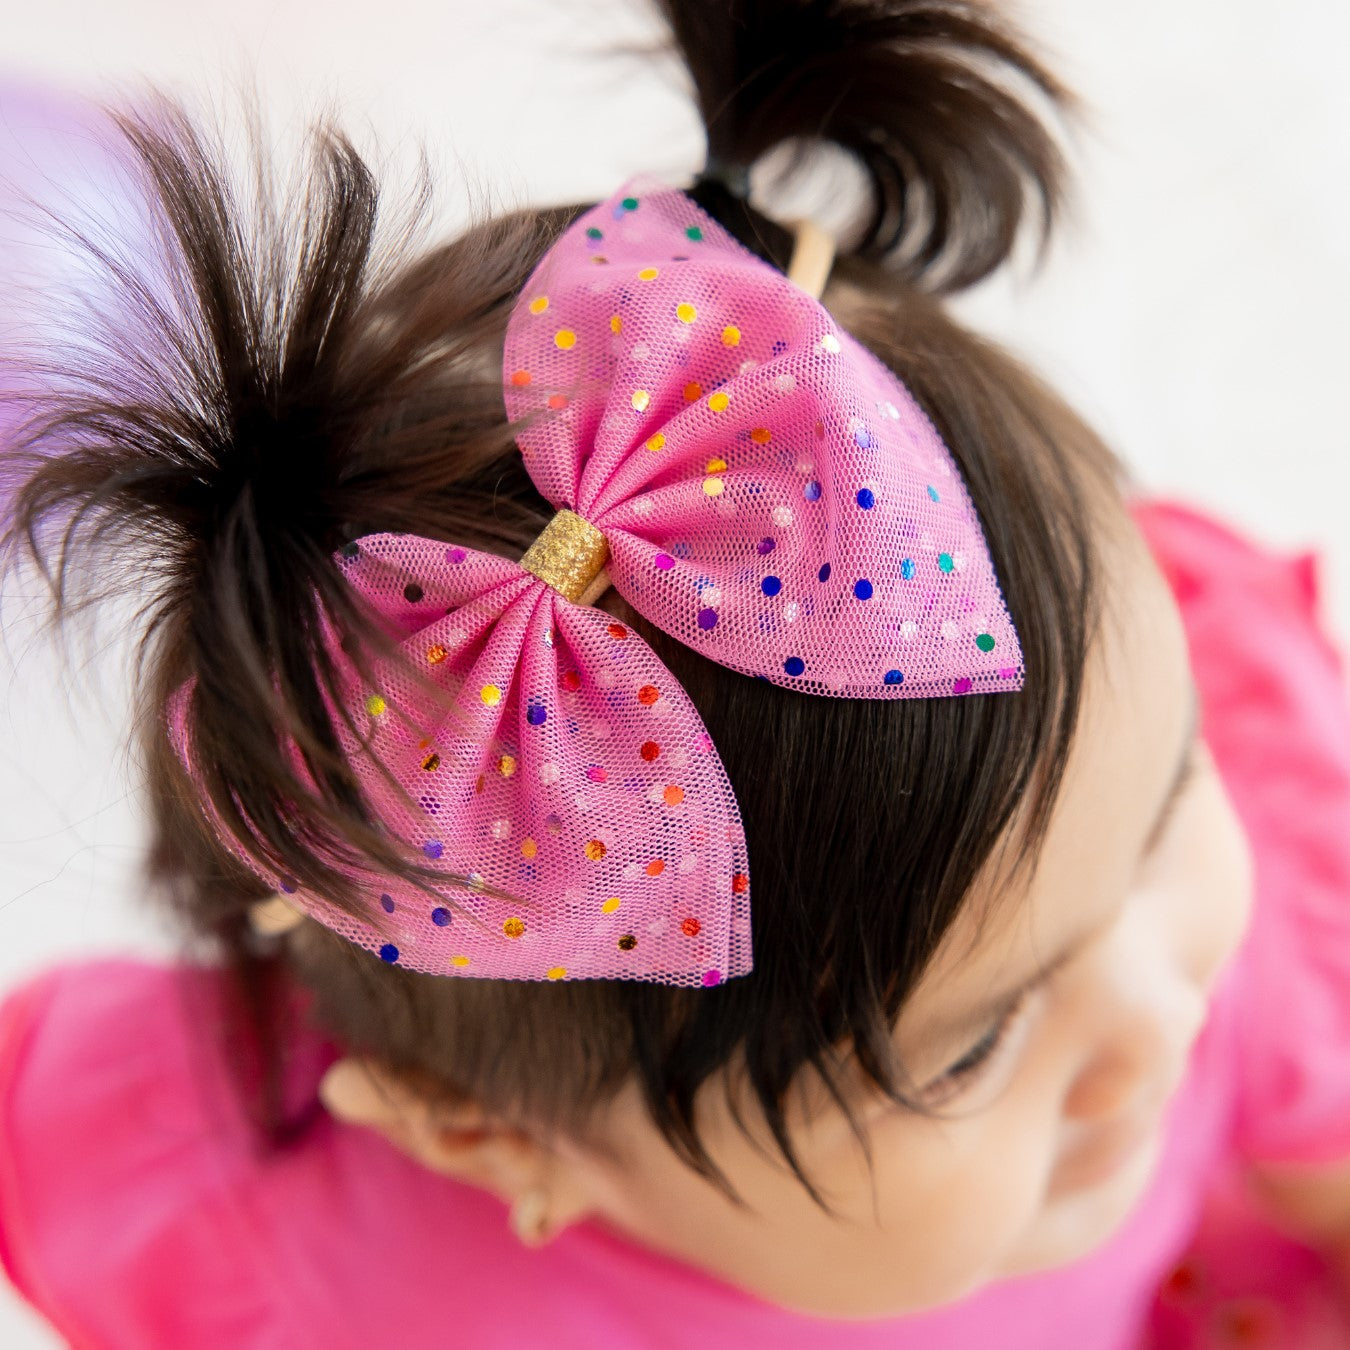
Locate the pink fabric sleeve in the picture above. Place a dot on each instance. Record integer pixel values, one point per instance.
(1277, 718)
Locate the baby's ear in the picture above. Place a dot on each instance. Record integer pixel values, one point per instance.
(459, 1141)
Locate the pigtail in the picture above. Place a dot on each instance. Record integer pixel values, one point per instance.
(273, 387)
(933, 98)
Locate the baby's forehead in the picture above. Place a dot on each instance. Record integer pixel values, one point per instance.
(1030, 901)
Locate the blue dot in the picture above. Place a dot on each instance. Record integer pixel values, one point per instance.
(707, 618)
(289, 885)
(767, 545)
(894, 677)
(771, 585)
(811, 491)
(432, 848)
(907, 569)
(932, 492)
(863, 589)
(824, 573)
(863, 437)
(440, 916)
(387, 902)
(794, 665)
(389, 953)
(536, 714)
(865, 498)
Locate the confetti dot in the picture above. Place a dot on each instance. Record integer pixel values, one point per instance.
(707, 618)
(513, 927)
(595, 849)
(945, 561)
(528, 848)
(761, 435)
(557, 402)
(617, 631)
(894, 677)
(685, 312)
(932, 492)
(961, 686)
(766, 545)
(520, 378)
(440, 916)
(593, 233)
(785, 384)
(490, 695)
(865, 499)
(830, 342)
(693, 391)
(740, 883)
(863, 437)
(664, 561)
(691, 927)
(771, 585)
(557, 972)
(731, 336)
(549, 773)
(454, 555)
(641, 398)
(389, 953)
(694, 232)
(655, 867)
(649, 274)
(436, 654)
(648, 695)
(506, 765)
(794, 665)
(375, 705)
(537, 715)
(459, 960)
(782, 516)
(656, 441)
(431, 763)
(649, 750)
(824, 573)
(718, 401)
(627, 942)
(985, 642)
(907, 569)
(539, 304)
(630, 203)
(564, 339)
(713, 487)
(615, 323)
(811, 491)
(673, 794)
(611, 904)
(387, 903)
(863, 589)
(711, 977)
(433, 848)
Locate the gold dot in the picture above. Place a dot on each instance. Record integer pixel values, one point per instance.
(641, 398)
(718, 402)
(539, 304)
(506, 765)
(714, 487)
(611, 904)
(655, 442)
(674, 794)
(528, 848)
(761, 435)
(459, 960)
(648, 274)
(565, 338)
(375, 705)
(731, 336)
(490, 695)
(436, 654)
(685, 312)
(513, 927)
(595, 849)
(715, 466)
(693, 391)
(557, 973)
(615, 324)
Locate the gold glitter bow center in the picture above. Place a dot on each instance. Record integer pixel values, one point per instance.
(570, 555)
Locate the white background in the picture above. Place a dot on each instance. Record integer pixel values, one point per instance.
(1195, 311)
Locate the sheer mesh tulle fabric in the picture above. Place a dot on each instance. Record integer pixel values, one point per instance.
(770, 494)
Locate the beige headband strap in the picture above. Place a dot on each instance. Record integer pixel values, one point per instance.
(812, 257)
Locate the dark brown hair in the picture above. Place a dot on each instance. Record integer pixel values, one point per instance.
(286, 386)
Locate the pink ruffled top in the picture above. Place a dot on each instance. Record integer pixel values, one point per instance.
(136, 1210)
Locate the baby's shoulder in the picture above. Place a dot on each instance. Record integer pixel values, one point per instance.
(125, 1158)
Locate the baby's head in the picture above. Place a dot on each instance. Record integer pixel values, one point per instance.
(984, 926)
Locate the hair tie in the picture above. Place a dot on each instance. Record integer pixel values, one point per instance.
(753, 482)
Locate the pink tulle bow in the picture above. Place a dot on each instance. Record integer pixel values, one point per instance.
(770, 494)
